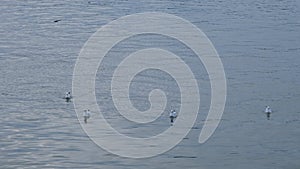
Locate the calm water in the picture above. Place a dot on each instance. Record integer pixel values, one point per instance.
(258, 42)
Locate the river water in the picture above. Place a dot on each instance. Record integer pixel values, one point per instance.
(258, 42)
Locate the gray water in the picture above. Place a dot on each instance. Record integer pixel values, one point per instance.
(258, 42)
